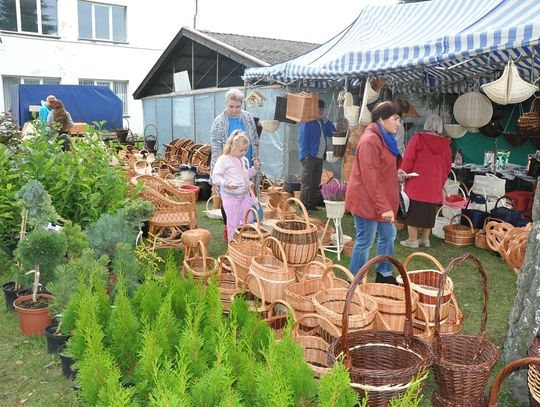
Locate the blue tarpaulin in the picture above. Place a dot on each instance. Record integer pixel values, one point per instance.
(85, 103)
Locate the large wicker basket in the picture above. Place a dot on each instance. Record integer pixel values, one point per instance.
(273, 273)
(298, 237)
(505, 371)
(463, 363)
(381, 363)
(302, 107)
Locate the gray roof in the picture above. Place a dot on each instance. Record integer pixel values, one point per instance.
(270, 50)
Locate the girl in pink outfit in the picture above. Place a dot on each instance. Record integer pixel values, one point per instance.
(232, 174)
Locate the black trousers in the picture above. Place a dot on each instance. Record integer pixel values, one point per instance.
(311, 180)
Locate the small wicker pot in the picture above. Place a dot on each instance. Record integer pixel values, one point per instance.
(274, 274)
(462, 363)
(228, 282)
(382, 363)
(200, 267)
(425, 282)
(315, 347)
(505, 371)
(298, 237)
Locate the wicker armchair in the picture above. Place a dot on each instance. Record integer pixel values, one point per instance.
(165, 188)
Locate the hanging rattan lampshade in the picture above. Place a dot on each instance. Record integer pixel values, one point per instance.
(473, 110)
(455, 130)
(509, 88)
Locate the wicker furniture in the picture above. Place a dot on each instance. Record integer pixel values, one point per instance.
(192, 239)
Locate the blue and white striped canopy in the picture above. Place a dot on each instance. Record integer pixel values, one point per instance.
(442, 45)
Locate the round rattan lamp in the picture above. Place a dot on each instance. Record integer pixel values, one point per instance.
(473, 110)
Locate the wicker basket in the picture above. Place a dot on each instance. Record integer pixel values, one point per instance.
(315, 347)
(254, 295)
(381, 363)
(255, 231)
(243, 249)
(330, 301)
(302, 107)
(228, 281)
(201, 267)
(273, 273)
(454, 322)
(425, 282)
(456, 234)
(298, 237)
(440, 223)
(278, 315)
(505, 371)
(462, 364)
(533, 377)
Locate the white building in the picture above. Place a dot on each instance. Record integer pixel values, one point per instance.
(84, 42)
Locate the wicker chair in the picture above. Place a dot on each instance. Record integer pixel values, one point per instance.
(165, 188)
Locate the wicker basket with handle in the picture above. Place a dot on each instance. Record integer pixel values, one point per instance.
(462, 363)
(505, 371)
(256, 230)
(534, 372)
(228, 282)
(201, 267)
(529, 122)
(273, 273)
(243, 250)
(315, 347)
(459, 235)
(277, 316)
(298, 237)
(381, 363)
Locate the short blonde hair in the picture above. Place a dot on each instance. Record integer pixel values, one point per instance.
(237, 137)
(434, 123)
(234, 94)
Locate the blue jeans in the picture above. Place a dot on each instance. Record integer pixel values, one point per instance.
(366, 230)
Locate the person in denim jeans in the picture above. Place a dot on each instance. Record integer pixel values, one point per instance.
(373, 189)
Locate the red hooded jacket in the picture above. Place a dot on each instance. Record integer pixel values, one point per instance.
(429, 155)
(373, 186)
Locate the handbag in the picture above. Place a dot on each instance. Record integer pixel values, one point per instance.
(489, 185)
(476, 216)
(508, 215)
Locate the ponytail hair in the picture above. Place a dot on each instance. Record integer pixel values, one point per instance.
(236, 137)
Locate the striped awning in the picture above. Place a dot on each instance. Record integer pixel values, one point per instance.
(442, 45)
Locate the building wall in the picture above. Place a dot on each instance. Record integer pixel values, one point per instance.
(149, 29)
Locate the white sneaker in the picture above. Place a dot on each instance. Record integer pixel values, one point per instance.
(424, 243)
(407, 243)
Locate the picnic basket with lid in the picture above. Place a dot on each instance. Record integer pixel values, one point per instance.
(462, 363)
(381, 363)
(298, 237)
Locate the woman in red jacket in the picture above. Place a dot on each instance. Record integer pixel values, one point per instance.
(428, 153)
(373, 191)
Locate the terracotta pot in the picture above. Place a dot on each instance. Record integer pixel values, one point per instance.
(33, 321)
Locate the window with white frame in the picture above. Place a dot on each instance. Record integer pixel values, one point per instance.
(120, 89)
(29, 16)
(98, 21)
(7, 81)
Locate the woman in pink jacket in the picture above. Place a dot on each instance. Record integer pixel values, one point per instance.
(428, 154)
(373, 191)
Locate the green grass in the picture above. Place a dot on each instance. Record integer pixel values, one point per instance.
(31, 377)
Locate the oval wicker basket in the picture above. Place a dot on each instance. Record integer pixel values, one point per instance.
(298, 237)
(459, 235)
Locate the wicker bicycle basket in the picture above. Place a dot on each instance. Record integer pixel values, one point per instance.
(534, 372)
(382, 363)
(298, 237)
(273, 273)
(425, 282)
(462, 363)
(201, 267)
(505, 371)
(315, 347)
(459, 235)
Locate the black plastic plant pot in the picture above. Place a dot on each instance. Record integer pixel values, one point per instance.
(66, 361)
(10, 294)
(55, 342)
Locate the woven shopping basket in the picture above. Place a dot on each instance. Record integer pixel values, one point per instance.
(255, 231)
(278, 314)
(228, 282)
(425, 282)
(505, 371)
(462, 363)
(381, 363)
(253, 294)
(534, 372)
(440, 223)
(201, 267)
(315, 268)
(273, 273)
(243, 250)
(330, 301)
(315, 347)
(456, 234)
(298, 237)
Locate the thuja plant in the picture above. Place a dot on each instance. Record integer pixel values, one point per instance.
(335, 389)
(9, 185)
(126, 266)
(76, 238)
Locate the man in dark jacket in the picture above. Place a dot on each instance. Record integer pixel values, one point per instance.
(312, 146)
